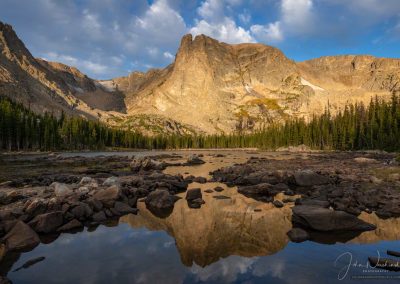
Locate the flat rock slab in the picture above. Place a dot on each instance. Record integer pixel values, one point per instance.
(323, 219)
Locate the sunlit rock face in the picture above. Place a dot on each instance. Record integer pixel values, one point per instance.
(222, 227)
(211, 87)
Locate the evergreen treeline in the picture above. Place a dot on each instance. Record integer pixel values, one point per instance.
(376, 126)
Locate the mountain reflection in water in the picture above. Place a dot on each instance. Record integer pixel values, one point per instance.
(233, 240)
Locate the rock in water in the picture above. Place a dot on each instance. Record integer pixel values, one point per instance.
(309, 178)
(323, 219)
(21, 237)
(29, 263)
(193, 193)
(385, 263)
(298, 235)
(160, 202)
(73, 224)
(47, 223)
(194, 198)
(124, 208)
(194, 160)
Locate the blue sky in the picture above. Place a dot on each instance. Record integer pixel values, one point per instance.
(109, 38)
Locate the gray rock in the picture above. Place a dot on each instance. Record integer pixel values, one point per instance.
(47, 223)
(323, 219)
(194, 160)
(309, 178)
(200, 179)
(218, 188)
(277, 204)
(160, 200)
(298, 235)
(124, 208)
(99, 216)
(193, 193)
(21, 237)
(73, 224)
(82, 211)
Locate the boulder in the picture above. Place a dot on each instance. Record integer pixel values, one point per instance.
(48, 222)
(298, 235)
(99, 216)
(309, 178)
(61, 189)
(88, 181)
(218, 188)
(194, 160)
(160, 202)
(200, 179)
(108, 196)
(35, 206)
(277, 204)
(323, 219)
(193, 193)
(124, 208)
(111, 181)
(82, 211)
(10, 197)
(21, 237)
(95, 204)
(146, 164)
(73, 224)
(196, 203)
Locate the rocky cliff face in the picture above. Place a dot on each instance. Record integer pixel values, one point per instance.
(211, 87)
(50, 86)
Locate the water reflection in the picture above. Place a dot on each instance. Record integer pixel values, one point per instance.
(228, 240)
(222, 227)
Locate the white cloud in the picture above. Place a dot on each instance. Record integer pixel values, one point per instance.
(297, 15)
(168, 55)
(271, 32)
(245, 17)
(226, 31)
(160, 23)
(214, 23)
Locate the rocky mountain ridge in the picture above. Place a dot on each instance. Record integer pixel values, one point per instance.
(211, 87)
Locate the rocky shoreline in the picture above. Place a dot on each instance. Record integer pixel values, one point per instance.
(327, 191)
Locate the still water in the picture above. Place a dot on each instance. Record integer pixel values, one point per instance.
(226, 241)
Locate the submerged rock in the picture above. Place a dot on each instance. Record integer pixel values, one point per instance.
(160, 202)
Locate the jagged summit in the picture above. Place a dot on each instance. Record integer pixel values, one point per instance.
(211, 87)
